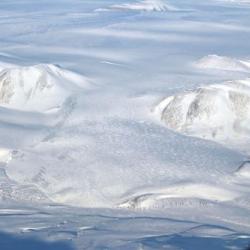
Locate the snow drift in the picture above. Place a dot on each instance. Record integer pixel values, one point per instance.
(37, 88)
(223, 63)
(146, 5)
(220, 111)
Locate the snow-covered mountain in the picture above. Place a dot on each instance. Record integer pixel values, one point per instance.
(216, 112)
(37, 88)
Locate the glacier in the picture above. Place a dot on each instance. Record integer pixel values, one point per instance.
(124, 124)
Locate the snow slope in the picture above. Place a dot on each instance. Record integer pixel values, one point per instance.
(223, 63)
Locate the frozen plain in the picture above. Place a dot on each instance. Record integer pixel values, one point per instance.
(133, 116)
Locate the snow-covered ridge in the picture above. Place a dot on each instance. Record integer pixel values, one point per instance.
(192, 194)
(37, 88)
(145, 5)
(216, 112)
(237, 1)
(223, 63)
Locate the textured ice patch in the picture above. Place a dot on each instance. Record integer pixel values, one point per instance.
(37, 88)
(146, 5)
(223, 63)
(11, 191)
(219, 111)
(14, 191)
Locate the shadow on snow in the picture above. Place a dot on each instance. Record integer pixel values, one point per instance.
(19, 242)
(193, 243)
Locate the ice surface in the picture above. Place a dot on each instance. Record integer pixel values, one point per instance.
(96, 101)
